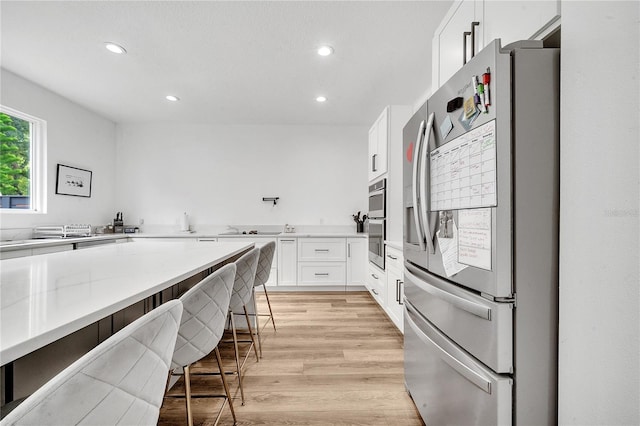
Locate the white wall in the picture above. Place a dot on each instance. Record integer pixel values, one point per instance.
(75, 137)
(219, 174)
(599, 361)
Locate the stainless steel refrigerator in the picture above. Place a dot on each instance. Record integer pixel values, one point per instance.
(481, 211)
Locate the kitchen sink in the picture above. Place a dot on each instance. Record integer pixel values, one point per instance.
(245, 233)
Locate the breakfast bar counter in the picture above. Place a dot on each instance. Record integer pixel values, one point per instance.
(47, 297)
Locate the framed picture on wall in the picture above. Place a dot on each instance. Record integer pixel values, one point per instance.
(73, 181)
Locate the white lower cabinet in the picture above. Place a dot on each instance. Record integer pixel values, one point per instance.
(321, 273)
(322, 261)
(376, 283)
(287, 261)
(356, 261)
(394, 287)
(321, 249)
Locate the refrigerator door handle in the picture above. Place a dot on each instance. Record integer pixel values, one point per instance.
(416, 204)
(474, 308)
(424, 187)
(465, 371)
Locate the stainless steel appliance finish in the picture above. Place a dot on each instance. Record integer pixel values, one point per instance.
(483, 327)
(449, 386)
(481, 344)
(376, 230)
(376, 224)
(415, 241)
(377, 199)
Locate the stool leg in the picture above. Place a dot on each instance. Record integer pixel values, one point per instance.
(224, 383)
(235, 346)
(258, 330)
(257, 321)
(253, 341)
(187, 391)
(270, 311)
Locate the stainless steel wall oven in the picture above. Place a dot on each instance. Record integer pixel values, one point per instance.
(376, 227)
(377, 199)
(376, 231)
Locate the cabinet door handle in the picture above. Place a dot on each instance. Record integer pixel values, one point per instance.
(287, 241)
(375, 277)
(400, 283)
(392, 257)
(322, 250)
(348, 249)
(464, 46)
(474, 24)
(321, 274)
(373, 290)
(397, 291)
(374, 167)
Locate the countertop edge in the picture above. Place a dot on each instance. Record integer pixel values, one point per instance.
(37, 243)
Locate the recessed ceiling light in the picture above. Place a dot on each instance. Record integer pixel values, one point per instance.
(325, 50)
(115, 48)
(321, 99)
(172, 98)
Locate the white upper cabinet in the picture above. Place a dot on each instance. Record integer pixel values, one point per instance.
(378, 145)
(451, 44)
(386, 134)
(519, 20)
(507, 20)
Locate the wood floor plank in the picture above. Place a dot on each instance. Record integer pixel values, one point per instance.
(336, 359)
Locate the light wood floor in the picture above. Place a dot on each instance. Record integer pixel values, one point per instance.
(336, 359)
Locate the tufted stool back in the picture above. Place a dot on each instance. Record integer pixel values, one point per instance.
(203, 320)
(264, 263)
(119, 382)
(245, 277)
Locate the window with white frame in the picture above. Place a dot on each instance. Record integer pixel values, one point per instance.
(22, 161)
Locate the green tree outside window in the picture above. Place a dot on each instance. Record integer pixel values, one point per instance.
(15, 145)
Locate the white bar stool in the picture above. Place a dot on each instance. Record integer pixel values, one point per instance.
(262, 276)
(242, 292)
(119, 382)
(205, 312)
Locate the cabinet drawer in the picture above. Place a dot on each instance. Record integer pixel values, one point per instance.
(322, 273)
(376, 283)
(322, 249)
(393, 258)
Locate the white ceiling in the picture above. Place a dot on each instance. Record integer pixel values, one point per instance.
(229, 62)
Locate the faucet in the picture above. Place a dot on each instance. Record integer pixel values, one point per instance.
(232, 228)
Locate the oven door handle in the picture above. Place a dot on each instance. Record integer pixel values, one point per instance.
(414, 192)
(424, 188)
(376, 192)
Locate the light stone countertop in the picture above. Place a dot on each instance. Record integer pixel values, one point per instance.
(49, 242)
(321, 235)
(46, 297)
(6, 246)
